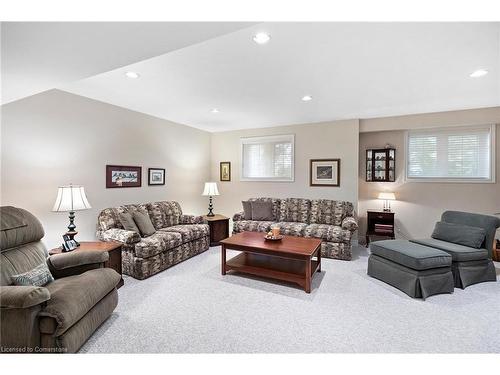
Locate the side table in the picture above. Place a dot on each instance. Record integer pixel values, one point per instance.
(379, 224)
(114, 249)
(219, 228)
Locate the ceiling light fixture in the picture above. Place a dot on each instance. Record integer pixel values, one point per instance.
(478, 73)
(132, 75)
(261, 38)
(307, 98)
(215, 110)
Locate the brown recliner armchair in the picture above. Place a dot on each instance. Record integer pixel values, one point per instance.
(60, 316)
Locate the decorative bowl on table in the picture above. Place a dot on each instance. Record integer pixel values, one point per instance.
(270, 237)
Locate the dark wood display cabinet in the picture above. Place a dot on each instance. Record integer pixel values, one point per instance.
(381, 165)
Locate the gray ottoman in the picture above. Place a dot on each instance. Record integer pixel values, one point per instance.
(419, 271)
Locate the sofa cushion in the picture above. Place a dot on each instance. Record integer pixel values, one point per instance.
(157, 243)
(291, 228)
(262, 211)
(275, 203)
(72, 297)
(143, 221)
(252, 226)
(164, 214)
(459, 234)
(411, 255)
(189, 232)
(330, 233)
(295, 210)
(110, 217)
(38, 276)
(326, 211)
(127, 222)
(247, 210)
(459, 253)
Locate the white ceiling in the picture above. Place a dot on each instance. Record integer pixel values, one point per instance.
(352, 70)
(38, 56)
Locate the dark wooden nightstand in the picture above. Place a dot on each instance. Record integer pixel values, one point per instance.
(114, 249)
(379, 224)
(219, 228)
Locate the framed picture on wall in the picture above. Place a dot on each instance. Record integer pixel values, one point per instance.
(225, 171)
(121, 176)
(324, 172)
(156, 176)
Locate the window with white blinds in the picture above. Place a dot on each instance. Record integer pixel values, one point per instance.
(451, 154)
(267, 158)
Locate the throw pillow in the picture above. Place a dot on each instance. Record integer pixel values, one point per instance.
(247, 210)
(38, 276)
(128, 222)
(262, 211)
(459, 234)
(144, 223)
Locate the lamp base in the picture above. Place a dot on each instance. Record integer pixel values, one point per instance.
(210, 207)
(71, 234)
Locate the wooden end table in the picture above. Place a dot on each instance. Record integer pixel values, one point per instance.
(374, 217)
(219, 228)
(290, 259)
(114, 249)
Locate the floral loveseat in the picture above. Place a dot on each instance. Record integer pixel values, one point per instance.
(178, 237)
(332, 221)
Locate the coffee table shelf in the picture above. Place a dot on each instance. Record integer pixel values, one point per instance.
(288, 260)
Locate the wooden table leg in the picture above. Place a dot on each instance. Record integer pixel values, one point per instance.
(223, 260)
(319, 258)
(308, 276)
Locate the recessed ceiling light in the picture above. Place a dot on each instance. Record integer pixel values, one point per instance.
(478, 73)
(215, 110)
(307, 98)
(261, 38)
(132, 75)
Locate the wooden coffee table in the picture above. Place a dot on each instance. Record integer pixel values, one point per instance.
(290, 259)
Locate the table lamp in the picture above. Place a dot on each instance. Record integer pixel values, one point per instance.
(210, 191)
(387, 198)
(70, 199)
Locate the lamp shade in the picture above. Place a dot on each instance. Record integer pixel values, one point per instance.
(71, 198)
(387, 196)
(210, 189)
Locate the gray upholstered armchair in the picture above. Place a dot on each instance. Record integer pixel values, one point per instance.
(61, 315)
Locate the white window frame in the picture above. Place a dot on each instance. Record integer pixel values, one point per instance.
(490, 180)
(271, 138)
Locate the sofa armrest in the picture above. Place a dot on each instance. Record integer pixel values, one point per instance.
(349, 223)
(119, 235)
(76, 262)
(239, 216)
(192, 219)
(21, 297)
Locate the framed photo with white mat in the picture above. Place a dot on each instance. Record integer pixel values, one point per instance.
(324, 172)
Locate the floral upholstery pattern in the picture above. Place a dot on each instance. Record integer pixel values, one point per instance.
(157, 243)
(292, 228)
(331, 233)
(295, 210)
(120, 235)
(188, 232)
(192, 219)
(178, 237)
(325, 211)
(164, 214)
(349, 223)
(238, 216)
(252, 226)
(331, 221)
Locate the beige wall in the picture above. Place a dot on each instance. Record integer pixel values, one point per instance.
(420, 204)
(338, 139)
(56, 138)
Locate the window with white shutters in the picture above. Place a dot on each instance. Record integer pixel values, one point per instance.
(267, 158)
(451, 154)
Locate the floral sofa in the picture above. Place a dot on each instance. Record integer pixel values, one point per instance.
(332, 221)
(177, 238)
